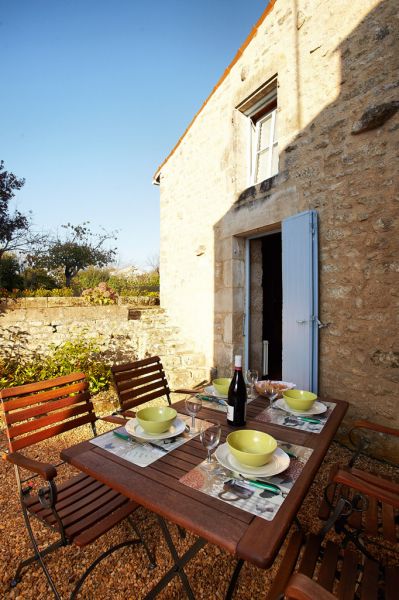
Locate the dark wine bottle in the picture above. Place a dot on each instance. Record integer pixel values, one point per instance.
(237, 396)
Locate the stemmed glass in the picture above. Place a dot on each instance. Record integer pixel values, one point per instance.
(252, 378)
(271, 393)
(210, 437)
(193, 406)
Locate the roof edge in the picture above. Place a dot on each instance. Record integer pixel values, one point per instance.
(268, 9)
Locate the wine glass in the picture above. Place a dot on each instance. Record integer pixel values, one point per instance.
(271, 393)
(193, 406)
(252, 378)
(210, 437)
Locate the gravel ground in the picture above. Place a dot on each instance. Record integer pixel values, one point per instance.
(124, 575)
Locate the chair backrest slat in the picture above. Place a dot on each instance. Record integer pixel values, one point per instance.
(13, 416)
(41, 385)
(41, 422)
(63, 402)
(140, 381)
(45, 434)
(127, 405)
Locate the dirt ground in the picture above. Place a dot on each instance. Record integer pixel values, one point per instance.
(125, 575)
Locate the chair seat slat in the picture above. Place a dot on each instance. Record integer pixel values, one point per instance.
(309, 558)
(388, 523)
(391, 583)
(286, 567)
(349, 574)
(80, 510)
(106, 523)
(371, 517)
(328, 566)
(68, 499)
(369, 582)
(95, 517)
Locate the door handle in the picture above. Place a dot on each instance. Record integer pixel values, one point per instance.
(301, 322)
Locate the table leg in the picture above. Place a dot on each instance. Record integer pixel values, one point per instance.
(178, 566)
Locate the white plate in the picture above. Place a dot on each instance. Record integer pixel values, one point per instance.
(317, 409)
(280, 462)
(210, 391)
(134, 428)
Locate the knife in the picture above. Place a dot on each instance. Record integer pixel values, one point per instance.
(215, 399)
(309, 420)
(129, 439)
(270, 487)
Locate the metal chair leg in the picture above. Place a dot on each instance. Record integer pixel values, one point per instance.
(178, 565)
(150, 554)
(95, 563)
(182, 532)
(234, 578)
(38, 556)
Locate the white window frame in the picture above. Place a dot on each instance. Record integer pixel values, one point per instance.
(256, 151)
(252, 107)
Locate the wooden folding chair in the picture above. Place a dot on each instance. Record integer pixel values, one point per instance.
(140, 381)
(312, 569)
(79, 509)
(378, 520)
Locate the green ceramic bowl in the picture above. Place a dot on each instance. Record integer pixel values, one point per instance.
(250, 447)
(156, 419)
(299, 399)
(221, 385)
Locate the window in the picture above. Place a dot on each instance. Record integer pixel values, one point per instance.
(261, 110)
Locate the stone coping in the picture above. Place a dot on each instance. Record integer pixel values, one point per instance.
(66, 301)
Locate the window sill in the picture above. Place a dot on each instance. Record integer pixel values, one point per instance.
(256, 192)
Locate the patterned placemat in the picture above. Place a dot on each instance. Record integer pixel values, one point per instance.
(227, 486)
(141, 452)
(312, 424)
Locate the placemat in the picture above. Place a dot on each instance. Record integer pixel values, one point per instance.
(312, 424)
(141, 452)
(222, 484)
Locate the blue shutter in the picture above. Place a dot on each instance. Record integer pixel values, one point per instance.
(300, 300)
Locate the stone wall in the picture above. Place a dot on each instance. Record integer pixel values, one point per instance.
(337, 65)
(127, 331)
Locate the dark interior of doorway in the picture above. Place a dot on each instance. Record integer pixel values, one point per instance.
(272, 284)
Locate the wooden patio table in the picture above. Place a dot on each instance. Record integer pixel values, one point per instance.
(157, 488)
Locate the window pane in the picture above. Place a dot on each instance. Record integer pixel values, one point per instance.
(275, 137)
(262, 167)
(264, 137)
(274, 160)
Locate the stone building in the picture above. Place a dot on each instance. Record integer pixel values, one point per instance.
(279, 206)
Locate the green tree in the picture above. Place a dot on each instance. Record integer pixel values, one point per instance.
(81, 248)
(13, 225)
(10, 277)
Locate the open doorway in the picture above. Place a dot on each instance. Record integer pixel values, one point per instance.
(265, 305)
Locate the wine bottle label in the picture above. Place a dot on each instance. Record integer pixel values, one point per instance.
(230, 413)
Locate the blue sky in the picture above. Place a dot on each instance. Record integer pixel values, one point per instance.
(95, 93)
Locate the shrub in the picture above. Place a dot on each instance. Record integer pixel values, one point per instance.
(101, 294)
(89, 278)
(35, 279)
(10, 277)
(78, 354)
